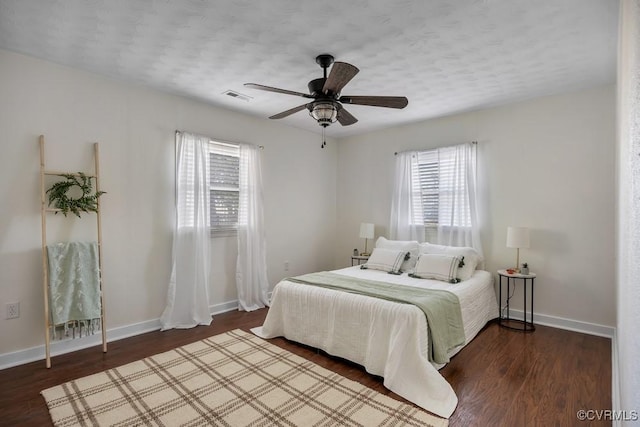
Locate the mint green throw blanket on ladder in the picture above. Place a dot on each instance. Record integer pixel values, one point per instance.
(441, 308)
(74, 283)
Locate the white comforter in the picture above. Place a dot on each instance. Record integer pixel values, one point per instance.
(387, 338)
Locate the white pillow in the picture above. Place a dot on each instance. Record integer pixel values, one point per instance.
(430, 248)
(471, 257)
(437, 266)
(410, 246)
(388, 260)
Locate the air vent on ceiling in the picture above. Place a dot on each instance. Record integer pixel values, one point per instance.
(237, 95)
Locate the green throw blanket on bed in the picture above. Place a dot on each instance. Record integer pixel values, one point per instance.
(442, 308)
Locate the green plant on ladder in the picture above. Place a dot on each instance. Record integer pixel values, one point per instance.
(58, 196)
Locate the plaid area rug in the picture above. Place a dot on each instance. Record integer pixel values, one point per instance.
(231, 379)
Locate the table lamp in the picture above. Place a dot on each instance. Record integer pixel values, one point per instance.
(517, 237)
(366, 232)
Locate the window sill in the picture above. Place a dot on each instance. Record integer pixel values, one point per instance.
(223, 233)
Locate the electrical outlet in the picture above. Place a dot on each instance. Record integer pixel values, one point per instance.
(13, 310)
(286, 266)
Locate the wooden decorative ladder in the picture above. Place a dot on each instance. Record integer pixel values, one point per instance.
(45, 277)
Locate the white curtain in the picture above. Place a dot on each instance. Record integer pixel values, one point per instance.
(402, 223)
(251, 266)
(458, 213)
(187, 297)
(457, 208)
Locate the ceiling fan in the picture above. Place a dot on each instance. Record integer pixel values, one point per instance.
(326, 105)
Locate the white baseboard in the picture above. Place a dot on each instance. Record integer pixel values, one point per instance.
(20, 357)
(8, 360)
(223, 307)
(567, 324)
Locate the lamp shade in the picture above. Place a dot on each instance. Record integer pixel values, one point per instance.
(517, 237)
(324, 113)
(366, 230)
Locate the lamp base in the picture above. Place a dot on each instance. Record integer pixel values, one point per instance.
(366, 252)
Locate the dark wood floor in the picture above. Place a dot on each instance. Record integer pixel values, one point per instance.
(502, 378)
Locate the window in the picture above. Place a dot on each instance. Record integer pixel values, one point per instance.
(439, 189)
(434, 197)
(224, 188)
(426, 184)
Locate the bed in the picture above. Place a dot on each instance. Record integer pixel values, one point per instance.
(388, 338)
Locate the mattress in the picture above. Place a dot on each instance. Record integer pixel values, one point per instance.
(389, 339)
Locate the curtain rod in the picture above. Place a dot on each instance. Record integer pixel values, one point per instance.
(225, 142)
(473, 142)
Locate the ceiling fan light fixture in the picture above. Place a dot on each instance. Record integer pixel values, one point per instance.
(324, 113)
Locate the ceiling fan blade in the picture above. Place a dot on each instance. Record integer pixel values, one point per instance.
(289, 112)
(277, 90)
(345, 118)
(376, 101)
(341, 74)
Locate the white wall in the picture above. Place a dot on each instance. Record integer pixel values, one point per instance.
(135, 127)
(628, 214)
(547, 164)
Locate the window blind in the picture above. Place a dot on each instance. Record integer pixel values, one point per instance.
(224, 187)
(427, 183)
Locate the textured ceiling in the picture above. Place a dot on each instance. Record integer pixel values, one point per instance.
(445, 56)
